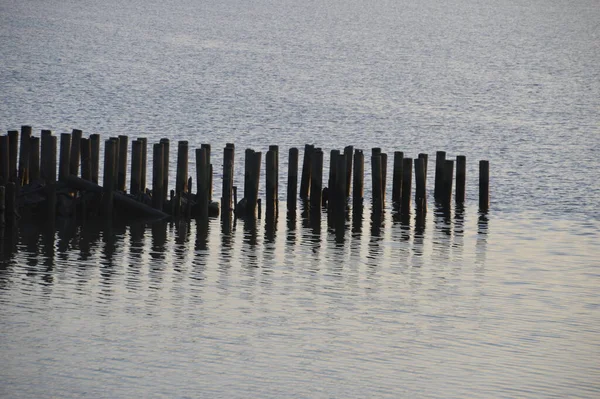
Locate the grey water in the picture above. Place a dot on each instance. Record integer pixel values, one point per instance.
(465, 305)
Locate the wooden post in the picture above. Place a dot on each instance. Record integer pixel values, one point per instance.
(210, 172)
(24, 156)
(2, 209)
(158, 163)
(333, 159)
(95, 156)
(228, 154)
(115, 168)
(383, 178)
(109, 176)
(406, 185)
(202, 182)
(248, 160)
(182, 168)
(46, 156)
(348, 151)
(316, 185)
(340, 188)
(75, 152)
(420, 186)
(252, 198)
(65, 154)
(165, 168)
(34, 159)
(143, 171)
(86, 159)
(376, 179)
(49, 147)
(484, 185)
(122, 164)
(358, 186)
(440, 158)
(305, 181)
(135, 186)
(275, 149)
(13, 147)
(270, 178)
(10, 205)
(425, 158)
(461, 178)
(447, 183)
(292, 184)
(4, 160)
(397, 178)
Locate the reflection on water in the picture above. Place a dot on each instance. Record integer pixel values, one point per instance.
(398, 299)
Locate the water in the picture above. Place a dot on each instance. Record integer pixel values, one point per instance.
(505, 307)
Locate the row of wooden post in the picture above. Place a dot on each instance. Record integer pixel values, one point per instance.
(80, 155)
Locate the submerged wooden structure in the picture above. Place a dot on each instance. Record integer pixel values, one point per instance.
(33, 182)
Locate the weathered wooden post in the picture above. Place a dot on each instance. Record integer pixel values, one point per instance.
(34, 159)
(406, 185)
(376, 179)
(484, 185)
(440, 158)
(397, 178)
(420, 186)
(333, 158)
(95, 156)
(13, 147)
(122, 163)
(86, 159)
(24, 155)
(383, 178)
(425, 158)
(210, 172)
(135, 183)
(10, 205)
(182, 168)
(50, 147)
(2, 209)
(248, 160)
(316, 185)
(65, 155)
(340, 191)
(275, 149)
(305, 181)
(165, 168)
(202, 182)
(292, 184)
(110, 157)
(253, 184)
(348, 151)
(270, 177)
(75, 152)
(143, 171)
(359, 183)
(158, 163)
(115, 168)
(226, 198)
(447, 183)
(46, 156)
(4, 160)
(461, 178)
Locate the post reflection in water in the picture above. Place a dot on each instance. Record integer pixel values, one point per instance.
(482, 234)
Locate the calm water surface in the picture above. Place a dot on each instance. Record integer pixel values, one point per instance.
(501, 306)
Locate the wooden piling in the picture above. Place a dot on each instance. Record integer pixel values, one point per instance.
(376, 179)
(182, 168)
(397, 178)
(4, 160)
(65, 156)
(252, 198)
(115, 168)
(110, 157)
(202, 170)
(158, 163)
(10, 205)
(484, 185)
(122, 163)
(348, 151)
(48, 158)
(420, 186)
(447, 183)
(358, 181)
(406, 185)
(461, 178)
(226, 197)
(383, 178)
(331, 182)
(135, 182)
(340, 186)
(75, 155)
(85, 146)
(34, 159)
(270, 178)
(440, 157)
(248, 160)
(143, 171)
(210, 172)
(2, 209)
(316, 181)
(305, 181)
(425, 158)
(275, 149)
(95, 156)
(292, 184)
(13, 147)
(165, 168)
(24, 155)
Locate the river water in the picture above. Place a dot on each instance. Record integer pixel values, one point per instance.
(466, 305)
